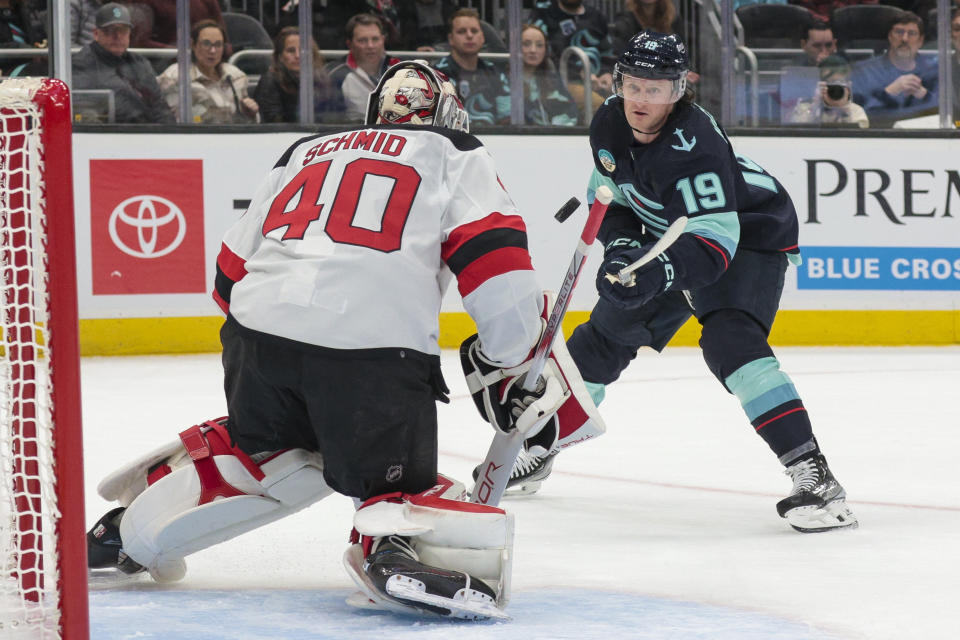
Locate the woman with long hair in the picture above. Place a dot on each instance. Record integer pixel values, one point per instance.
(278, 92)
(218, 90)
(546, 100)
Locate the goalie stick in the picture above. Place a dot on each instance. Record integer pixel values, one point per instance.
(496, 468)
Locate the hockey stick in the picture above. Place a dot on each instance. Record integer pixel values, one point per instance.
(496, 468)
(625, 276)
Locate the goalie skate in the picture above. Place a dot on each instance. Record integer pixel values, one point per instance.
(393, 578)
(104, 545)
(817, 502)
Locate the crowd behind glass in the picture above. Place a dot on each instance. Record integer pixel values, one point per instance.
(799, 63)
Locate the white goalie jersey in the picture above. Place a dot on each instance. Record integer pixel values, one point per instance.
(351, 241)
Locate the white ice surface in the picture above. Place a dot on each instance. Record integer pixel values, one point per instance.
(663, 528)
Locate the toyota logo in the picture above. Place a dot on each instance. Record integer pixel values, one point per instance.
(151, 213)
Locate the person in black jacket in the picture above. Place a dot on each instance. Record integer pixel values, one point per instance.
(106, 64)
(546, 99)
(19, 30)
(278, 92)
(422, 24)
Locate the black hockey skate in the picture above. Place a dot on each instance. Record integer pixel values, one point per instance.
(817, 502)
(104, 546)
(533, 465)
(394, 570)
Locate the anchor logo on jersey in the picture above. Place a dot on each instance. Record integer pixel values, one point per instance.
(684, 144)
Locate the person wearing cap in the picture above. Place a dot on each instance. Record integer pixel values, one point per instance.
(106, 63)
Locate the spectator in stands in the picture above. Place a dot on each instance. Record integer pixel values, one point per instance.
(821, 9)
(359, 74)
(106, 64)
(278, 92)
(17, 29)
(482, 86)
(818, 44)
(82, 14)
(546, 100)
(328, 21)
(164, 31)
(637, 15)
(218, 89)
(423, 23)
(569, 23)
(898, 83)
(833, 102)
(658, 15)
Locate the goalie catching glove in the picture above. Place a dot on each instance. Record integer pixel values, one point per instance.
(499, 394)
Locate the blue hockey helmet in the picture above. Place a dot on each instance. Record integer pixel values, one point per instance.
(653, 56)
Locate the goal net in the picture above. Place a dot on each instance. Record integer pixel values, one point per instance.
(42, 548)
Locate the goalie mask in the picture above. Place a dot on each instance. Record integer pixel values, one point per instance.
(410, 92)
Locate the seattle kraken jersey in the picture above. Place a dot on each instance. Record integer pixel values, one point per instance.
(587, 30)
(351, 242)
(691, 170)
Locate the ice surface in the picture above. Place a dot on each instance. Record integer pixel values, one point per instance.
(663, 528)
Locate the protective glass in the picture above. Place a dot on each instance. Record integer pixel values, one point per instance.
(648, 90)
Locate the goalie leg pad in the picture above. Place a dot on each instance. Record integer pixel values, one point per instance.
(448, 534)
(577, 419)
(214, 493)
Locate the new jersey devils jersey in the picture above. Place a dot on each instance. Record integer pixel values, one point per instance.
(351, 241)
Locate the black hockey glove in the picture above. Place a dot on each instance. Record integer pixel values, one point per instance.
(651, 279)
(499, 394)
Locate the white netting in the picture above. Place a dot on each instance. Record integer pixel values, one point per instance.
(29, 599)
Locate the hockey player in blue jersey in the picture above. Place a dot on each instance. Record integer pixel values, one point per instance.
(663, 156)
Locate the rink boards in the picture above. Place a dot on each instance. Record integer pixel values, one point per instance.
(879, 232)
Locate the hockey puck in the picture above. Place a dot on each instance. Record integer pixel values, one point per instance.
(567, 209)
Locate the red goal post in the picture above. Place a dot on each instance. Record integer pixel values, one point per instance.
(43, 573)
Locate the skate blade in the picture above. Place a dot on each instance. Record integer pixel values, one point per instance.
(813, 519)
(360, 600)
(466, 604)
(106, 578)
(525, 489)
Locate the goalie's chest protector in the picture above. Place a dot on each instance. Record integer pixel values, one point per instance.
(342, 246)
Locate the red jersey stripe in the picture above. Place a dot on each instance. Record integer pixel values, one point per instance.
(232, 265)
(492, 264)
(726, 261)
(465, 232)
(221, 302)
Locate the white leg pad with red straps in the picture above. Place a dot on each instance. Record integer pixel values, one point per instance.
(211, 493)
(448, 533)
(130, 480)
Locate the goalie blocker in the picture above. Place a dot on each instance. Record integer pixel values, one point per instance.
(561, 394)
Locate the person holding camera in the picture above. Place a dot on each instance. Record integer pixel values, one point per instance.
(833, 102)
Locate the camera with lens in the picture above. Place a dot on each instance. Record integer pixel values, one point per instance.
(836, 91)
